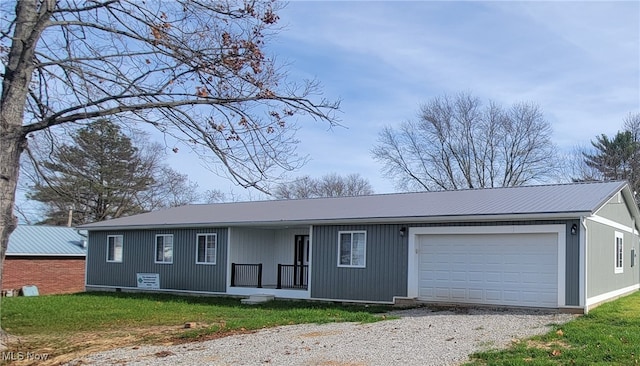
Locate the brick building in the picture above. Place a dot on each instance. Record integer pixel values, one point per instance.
(51, 258)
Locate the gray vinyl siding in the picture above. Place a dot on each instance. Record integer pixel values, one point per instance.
(139, 257)
(385, 273)
(616, 210)
(601, 276)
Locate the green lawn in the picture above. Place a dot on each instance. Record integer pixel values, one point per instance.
(64, 324)
(608, 335)
(104, 311)
(68, 326)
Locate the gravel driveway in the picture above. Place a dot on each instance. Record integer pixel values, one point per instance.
(421, 337)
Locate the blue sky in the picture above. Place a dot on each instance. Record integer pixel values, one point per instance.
(580, 61)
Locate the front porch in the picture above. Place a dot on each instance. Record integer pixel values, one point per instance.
(269, 261)
(290, 276)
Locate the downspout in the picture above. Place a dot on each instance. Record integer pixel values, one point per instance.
(635, 248)
(583, 248)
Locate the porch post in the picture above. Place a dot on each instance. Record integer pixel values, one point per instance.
(260, 275)
(233, 274)
(279, 276)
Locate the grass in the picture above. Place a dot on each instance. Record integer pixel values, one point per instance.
(63, 325)
(608, 335)
(68, 326)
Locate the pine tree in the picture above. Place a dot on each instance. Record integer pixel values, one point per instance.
(614, 158)
(100, 176)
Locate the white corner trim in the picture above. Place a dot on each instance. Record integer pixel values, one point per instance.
(413, 258)
(612, 294)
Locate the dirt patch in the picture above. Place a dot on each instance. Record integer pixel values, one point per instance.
(7, 339)
(320, 334)
(60, 349)
(547, 346)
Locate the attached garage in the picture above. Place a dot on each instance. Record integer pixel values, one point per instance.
(497, 265)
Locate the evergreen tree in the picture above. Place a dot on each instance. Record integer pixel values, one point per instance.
(614, 158)
(100, 176)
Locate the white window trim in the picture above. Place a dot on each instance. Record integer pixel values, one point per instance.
(155, 247)
(215, 236)
(364, 265)
(619, 269)
(121, 248)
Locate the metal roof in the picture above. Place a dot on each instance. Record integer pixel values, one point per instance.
(544, 201)
(35, 240)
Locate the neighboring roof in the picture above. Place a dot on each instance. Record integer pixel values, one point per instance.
(545, 201)
(35, 240)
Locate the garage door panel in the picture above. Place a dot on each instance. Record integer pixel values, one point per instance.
(476, 295)
(493, 277)
(508, 269)
(458, 293)
(493, 295)
(443, 292)
(459, 276)
(511, 295)
(511, 277)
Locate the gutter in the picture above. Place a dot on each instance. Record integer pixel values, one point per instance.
(345, 221)
(44, 255)
(583, 250)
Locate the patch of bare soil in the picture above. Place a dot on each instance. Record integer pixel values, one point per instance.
(547, 346)
(61, 349)
(7, 339)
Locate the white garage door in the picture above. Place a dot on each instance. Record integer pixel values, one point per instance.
(501, 269)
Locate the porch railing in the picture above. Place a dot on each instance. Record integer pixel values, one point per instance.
(246, 275)
(293, 276)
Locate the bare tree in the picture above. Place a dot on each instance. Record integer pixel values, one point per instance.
(457, 143)
(196, 70)
(330, 185)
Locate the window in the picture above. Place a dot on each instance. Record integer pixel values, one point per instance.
(114, 248)
(352, 246)
(619, 251)
(164, 248)
(206, 249)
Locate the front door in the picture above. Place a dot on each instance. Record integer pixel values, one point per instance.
(301, 260)
(301, 255)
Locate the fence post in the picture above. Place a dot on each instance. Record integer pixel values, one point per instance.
(260, 275)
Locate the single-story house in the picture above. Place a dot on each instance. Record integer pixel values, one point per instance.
(49, 257)
(567, 246)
